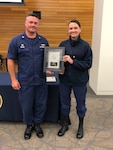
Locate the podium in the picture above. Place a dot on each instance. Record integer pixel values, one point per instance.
(10, 109)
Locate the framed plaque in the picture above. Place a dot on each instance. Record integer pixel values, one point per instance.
(53, 59)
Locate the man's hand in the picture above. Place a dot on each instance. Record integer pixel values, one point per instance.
(49, 72)
(16, 85)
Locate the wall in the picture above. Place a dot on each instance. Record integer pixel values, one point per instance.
(101, 74)
(53, 25)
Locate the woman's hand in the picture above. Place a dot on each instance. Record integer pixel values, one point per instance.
(67, 58)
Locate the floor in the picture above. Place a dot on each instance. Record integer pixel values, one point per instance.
(98, 130)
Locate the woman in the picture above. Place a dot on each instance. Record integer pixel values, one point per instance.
(77, 61)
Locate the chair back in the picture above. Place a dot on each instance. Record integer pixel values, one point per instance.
(0, 58)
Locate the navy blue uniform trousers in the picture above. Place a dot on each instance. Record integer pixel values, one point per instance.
(33, 100)
(65, 99)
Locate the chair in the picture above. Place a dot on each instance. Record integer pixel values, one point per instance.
(1, 63)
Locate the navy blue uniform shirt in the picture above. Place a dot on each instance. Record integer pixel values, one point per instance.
(29, 54)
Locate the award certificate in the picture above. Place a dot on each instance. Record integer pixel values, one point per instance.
(53, 59)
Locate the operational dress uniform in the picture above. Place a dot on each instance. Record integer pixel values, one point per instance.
(33, 92)
(75, 77)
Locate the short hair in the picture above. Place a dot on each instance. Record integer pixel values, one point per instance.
(75, 21)
(33, 15)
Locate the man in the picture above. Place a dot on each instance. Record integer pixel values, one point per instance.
(28, 51)
(77, 61)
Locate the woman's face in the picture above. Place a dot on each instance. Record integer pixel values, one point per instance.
(74, 30)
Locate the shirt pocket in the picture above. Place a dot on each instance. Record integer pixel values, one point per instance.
(23, 52)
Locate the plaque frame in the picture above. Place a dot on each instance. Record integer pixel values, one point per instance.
(53, 59)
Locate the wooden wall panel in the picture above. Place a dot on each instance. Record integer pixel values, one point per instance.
(55, 15)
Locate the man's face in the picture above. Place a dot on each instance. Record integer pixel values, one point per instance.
(31, 24)
(74, 30)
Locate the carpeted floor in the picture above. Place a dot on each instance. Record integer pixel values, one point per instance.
(98, 130)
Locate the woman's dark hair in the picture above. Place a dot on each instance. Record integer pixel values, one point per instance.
(75, 21)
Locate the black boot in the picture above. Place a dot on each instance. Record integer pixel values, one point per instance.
(80, 132)
(39, 131)
(64, 127)
(28, 132)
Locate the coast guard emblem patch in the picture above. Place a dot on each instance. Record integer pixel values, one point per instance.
(1, 101)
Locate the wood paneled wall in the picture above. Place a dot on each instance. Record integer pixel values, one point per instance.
(55, 15)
